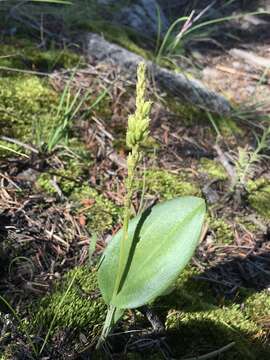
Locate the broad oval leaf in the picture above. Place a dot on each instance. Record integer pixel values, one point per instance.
(163, 240)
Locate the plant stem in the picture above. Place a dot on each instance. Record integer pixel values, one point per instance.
(137, 133)
(133, 161)
(107, 326)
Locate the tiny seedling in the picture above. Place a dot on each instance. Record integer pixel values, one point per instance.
(146, 256)
(245, 164)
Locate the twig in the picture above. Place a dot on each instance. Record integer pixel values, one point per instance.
(6, 68)
(240, 73)
(211, 354)
(18, 142)
(157, 325)
(224, 161)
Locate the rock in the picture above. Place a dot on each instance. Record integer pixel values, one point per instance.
(140, 15)
(175, 84)
(250, 57)
(264, 5)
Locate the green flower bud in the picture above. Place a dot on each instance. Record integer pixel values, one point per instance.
(138, 123)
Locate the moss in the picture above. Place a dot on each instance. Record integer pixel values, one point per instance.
(10, 149)
(228, 127)
(25, 101)
(257, 307)
(10, 351)
(188, 113)
(44, 183)
(259, 196)
(68, 178)
(188, 293)
(213, 169)
(247, 223)
(76, 307)
(205, 331)
(168, 185)
(123, 37)
(198, 322)
(222, 231)
(22, 54)
(101, 214)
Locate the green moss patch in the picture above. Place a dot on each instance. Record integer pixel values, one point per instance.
(26, 102)
(167, 185)
(22, 54)
(222, 231)
(77, 307)
(101, 214)
(198, 322)
(259, 196)
(212, 169)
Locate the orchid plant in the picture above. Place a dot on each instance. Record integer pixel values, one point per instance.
(148, 253)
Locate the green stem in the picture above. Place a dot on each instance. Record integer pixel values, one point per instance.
(108, 324)
(124, 239)
(134, 156)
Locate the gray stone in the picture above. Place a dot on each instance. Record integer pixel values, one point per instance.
(140, 15)
(175, 84)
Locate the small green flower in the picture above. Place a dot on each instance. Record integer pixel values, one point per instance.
(138, 123)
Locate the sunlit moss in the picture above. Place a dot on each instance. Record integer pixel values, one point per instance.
(25, 101)
(259, 196)
(188, 114)
(121, 35)
(198, 322)
(213, 169)
(101, 214)
(228, 127)
(167, 185)
(222, 231)
(76, 307)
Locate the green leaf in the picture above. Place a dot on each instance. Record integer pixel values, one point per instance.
(162, 241)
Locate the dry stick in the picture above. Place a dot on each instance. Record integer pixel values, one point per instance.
(230, 170)
(5, 68)
(240, 73)
(20, 143)
(211, 354)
